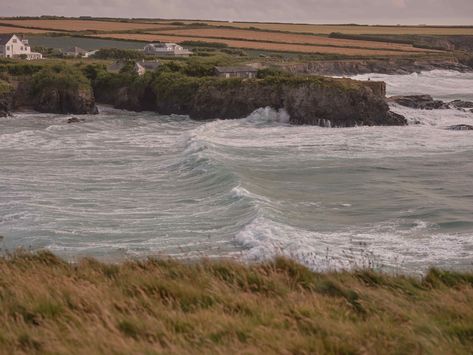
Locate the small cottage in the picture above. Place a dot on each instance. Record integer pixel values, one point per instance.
(75, 52)
(146, 65)
(236, 72)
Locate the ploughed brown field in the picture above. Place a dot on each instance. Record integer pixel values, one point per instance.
(350, 29)
(85, 25)
(288, 38)
(8, 29)
(279, 47)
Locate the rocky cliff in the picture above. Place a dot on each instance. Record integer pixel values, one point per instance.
(315, 101)
(6, 98)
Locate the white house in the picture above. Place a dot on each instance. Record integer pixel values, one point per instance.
(166, 49)
(11, 46)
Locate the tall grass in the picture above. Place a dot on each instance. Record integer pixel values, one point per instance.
(162, 306)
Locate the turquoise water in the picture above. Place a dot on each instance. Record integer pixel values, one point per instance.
(124, 184)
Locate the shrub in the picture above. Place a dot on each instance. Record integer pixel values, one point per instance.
(272, 72)
(61, 77)
(116, 53)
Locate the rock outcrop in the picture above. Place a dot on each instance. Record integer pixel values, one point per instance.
(55, 100)
(423, 102)
(319, 101)
(460, 104)
(426, 102)
(460, 127)
(6, 100)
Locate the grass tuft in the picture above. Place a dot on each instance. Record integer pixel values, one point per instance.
(164, 306)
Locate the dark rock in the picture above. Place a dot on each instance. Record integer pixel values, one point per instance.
(54, 100)
(423, 102)
(75, 120)
(460, 104)
(6, 101)
(395, 119)
(460, 127)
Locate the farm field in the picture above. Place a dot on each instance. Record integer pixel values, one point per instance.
(86, 25)
(287, 38)
(281, 47)
(277, 37)
(8, 29)
(350, 29)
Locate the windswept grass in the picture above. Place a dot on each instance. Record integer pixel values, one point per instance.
(159, 306)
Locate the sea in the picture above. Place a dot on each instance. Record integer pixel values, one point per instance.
(124, 185)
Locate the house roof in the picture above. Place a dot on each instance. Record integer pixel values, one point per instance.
(4, 39)
(149, 64)
(243, 69)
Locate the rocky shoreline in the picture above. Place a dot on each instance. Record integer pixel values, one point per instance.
(427, 102)
(378, 66)
(321, 101)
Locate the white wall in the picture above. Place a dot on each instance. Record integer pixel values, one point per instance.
(16, 47)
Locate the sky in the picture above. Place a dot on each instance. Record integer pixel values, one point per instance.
(435, 12)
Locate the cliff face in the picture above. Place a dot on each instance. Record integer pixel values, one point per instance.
(6, 100)
(315, 101)
(53, 99)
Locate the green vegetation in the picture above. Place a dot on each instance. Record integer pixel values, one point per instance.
(165, 306)
(116, 53)
(62, 77)
(5, 87)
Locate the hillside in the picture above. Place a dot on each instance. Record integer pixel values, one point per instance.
(156, 306)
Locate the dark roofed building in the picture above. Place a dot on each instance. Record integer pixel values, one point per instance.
(75, 52)
(143, 66)
(236, 72)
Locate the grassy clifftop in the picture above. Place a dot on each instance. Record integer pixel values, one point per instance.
(50, 306)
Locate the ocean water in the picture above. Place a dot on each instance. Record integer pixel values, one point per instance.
(126, 185)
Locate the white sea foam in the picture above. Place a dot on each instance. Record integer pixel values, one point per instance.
(133, 184)
(381, 246)
(441, 84)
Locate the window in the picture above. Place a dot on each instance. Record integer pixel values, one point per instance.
(21, 48)
(8, 48)
(14, 41)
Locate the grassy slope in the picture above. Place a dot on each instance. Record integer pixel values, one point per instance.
(47, 305)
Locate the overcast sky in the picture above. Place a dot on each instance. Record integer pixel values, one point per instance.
(310, 11)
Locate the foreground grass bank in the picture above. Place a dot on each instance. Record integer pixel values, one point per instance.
(156, 306)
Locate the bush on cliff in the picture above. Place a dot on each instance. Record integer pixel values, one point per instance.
(272, 72)
(61, 77)
(5, 87)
